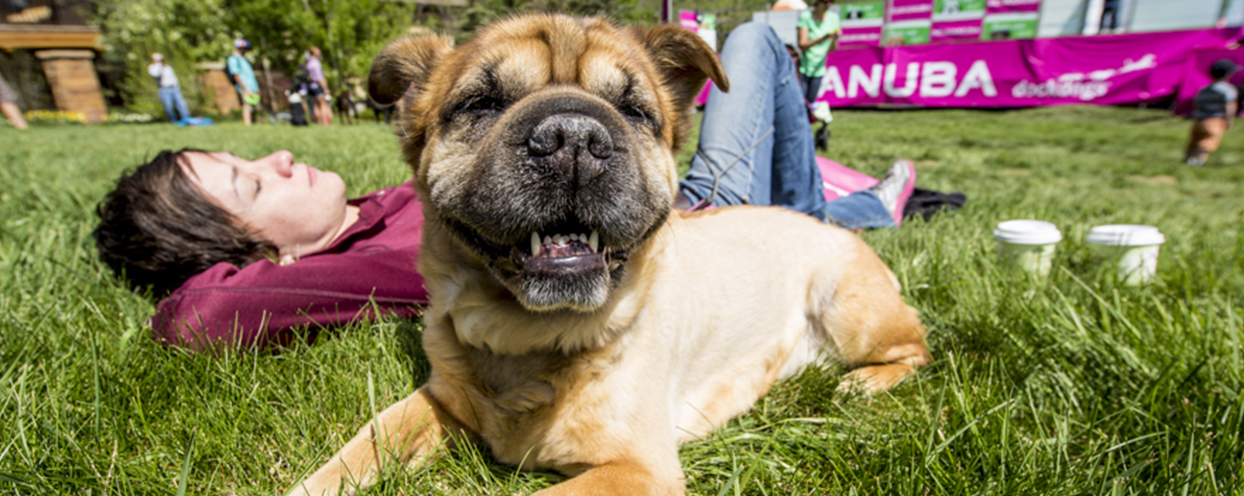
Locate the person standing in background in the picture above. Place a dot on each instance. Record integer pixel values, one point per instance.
(243, 77)
(819, 30)
(8, 105)
(1213, 111)
(169, 89)
(1109, 17)
(318, 88)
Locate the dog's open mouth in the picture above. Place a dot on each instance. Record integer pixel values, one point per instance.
(555, 254)
(557, 249)
(562, 264)
(564, 249)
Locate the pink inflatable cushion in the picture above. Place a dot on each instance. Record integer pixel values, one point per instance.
(840, 180)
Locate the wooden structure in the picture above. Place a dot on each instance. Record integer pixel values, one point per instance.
(57, 33)
(217, 87)
(26, 36)
(75, 86)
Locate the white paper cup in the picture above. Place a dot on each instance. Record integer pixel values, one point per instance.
(1027, 244)
(1135, 248)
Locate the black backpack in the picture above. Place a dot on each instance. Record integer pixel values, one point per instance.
(228, 73)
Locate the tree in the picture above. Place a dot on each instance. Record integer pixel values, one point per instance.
(185, 31)
(350, 33)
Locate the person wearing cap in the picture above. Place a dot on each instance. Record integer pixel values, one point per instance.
(1213, 111)
(243, 76)
(169, 89)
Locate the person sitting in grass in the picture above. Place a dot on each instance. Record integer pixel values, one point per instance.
(242, 252)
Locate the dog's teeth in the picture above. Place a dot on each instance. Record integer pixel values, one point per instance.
(594, 241)
(535, 243)
(548, 240)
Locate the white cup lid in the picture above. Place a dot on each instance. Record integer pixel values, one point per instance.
(1027, 232)
(1125, 235)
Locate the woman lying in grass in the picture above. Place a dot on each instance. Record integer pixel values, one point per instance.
(244, 251)
(247, 250)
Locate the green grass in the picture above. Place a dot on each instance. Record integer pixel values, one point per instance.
(1073, 385)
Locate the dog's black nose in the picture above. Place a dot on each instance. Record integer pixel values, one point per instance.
(578, 144)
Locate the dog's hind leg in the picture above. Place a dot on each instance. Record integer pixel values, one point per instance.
(409, 431)
(875, 332)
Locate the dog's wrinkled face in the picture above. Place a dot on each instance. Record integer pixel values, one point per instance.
(544, 147)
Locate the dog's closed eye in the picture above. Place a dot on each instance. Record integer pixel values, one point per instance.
(482, 103)
(632, 103)
(475, 106)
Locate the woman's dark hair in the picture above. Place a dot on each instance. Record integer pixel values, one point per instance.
(156, 229)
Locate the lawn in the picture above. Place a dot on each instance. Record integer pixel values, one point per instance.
(1070, 385)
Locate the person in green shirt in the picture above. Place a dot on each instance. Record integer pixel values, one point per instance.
(819, 30)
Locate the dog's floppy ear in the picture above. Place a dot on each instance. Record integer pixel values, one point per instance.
(685, 62)
(405, 62)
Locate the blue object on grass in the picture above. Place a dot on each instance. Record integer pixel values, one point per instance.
(195, 121)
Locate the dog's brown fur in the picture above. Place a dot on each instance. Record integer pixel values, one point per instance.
(599, 369)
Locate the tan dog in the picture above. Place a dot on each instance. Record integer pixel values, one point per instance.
(577, 323)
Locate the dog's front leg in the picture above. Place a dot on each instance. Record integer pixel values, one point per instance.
(409, 431)
(625, 478)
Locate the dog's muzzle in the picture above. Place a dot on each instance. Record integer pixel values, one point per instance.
(578, 147)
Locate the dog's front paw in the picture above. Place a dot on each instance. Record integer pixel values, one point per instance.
(875, 378)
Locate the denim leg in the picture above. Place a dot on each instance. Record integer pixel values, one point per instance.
(810, 86)
(861, 209)
(796, 180)
(734, 157)
(755, 141)
(166, 99)
(179, 101)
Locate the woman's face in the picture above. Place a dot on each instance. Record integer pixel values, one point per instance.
(294, 206)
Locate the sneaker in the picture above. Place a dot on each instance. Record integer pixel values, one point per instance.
(896, 188)
(821, 111)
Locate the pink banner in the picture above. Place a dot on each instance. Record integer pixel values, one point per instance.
(1102, 70)
(910, 10)
(969, 29)
(1196, 75)
(686, 19)
(1012, 6)
(860, 37)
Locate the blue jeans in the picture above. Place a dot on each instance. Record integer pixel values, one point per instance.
(756, 144)
(810, 86)
(171, 98)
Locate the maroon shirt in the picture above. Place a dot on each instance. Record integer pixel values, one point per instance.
(369, 268)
